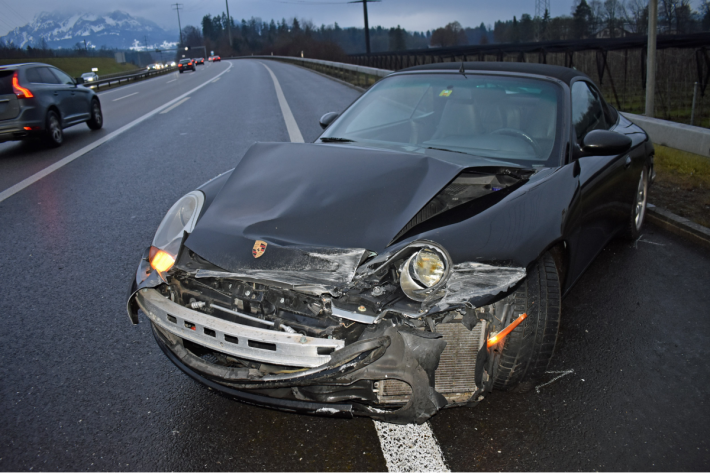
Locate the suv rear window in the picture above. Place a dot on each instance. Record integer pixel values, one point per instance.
(185, 61)
(6, 82)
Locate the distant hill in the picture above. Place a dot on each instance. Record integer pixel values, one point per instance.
(113, 30)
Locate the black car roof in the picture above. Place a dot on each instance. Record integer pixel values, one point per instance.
(565, 74)
(22, 64)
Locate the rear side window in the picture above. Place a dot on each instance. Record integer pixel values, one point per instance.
(587, 110)
(63, 78)
(33, 75)
(47, 76)
(6, 82)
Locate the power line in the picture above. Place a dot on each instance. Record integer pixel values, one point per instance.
(16, 14)
(541, 6)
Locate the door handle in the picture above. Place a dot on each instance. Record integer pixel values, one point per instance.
(56, 93)
(628, 162)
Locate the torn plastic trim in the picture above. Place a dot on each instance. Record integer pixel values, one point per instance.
(332, 410)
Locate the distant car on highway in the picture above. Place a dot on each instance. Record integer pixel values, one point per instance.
(89, 77)
(200, 61)
(413, 258)
(172, 64)
(216, 59)
(186, 65)
(39, 100)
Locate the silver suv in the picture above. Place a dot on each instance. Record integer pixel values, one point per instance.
(40, 100)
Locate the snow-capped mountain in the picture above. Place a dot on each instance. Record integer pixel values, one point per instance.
(114, 30)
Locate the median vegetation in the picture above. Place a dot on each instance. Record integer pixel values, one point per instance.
(75, 66)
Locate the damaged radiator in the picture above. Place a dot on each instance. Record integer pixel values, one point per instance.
(457, 367)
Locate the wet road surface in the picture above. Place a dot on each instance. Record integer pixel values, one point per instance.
(82, 389)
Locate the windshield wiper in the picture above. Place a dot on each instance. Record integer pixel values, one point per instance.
(334, 139)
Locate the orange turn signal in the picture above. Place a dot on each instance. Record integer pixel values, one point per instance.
(160, 260)
(504, 333)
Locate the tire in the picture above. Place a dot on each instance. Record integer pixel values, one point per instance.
(53, 134)
(529, 348)
(638, 208)
(180, 72)
(97, 118)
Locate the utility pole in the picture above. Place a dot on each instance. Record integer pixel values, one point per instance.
(229, 24)
(651, 60)
(367, 24)
(177, 7)
(145, 41)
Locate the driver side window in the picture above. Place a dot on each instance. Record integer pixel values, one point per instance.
(587, 111)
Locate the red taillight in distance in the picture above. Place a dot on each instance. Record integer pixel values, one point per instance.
(21, 92)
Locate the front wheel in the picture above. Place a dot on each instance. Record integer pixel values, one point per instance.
(53, 134)
(529, 348)
(638, 210)
(97, 119)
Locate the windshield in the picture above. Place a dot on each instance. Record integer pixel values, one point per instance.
(508, 118)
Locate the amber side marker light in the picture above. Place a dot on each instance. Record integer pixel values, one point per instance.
(504, 333)
(160, 260)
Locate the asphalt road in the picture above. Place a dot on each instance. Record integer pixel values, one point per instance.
(82, 389)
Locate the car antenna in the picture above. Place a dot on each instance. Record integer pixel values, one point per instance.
(462, 70)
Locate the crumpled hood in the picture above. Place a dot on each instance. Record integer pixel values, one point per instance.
(308, 196)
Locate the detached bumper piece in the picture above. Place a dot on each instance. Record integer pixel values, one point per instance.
(391, 372)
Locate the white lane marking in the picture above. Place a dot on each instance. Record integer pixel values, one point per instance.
(410, 447)
(294, 133)
(175, 105)
(171, 81)
(63, 162)
(216, 79)
(125, 96)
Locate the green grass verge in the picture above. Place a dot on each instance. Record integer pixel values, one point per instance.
(682, 184)
(75, 66)
(682, 164)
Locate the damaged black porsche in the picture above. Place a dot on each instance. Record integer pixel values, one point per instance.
(413, 258)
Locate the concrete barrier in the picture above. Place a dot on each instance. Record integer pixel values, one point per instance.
(692, 139)
(337, 65)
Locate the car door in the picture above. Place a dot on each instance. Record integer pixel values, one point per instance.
(9, 107)
(604, 201)
(79, 101)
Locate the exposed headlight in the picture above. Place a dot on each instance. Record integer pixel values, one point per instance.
(425, 272)
(180, 219)
(90, 79)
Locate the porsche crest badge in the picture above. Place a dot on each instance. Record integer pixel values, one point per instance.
(259, 248)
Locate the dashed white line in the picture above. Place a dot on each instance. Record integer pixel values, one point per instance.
(294, 133)
(176, 105)
(410, 447)
(63, 162)
(216, 79)
(125, 96)
(171, 81)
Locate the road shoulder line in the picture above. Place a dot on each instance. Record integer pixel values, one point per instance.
(9, 192)
(679, 225)
(410, 447)
(294, 133)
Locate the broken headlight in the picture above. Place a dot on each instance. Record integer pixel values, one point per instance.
(180, 219)
(424, 275)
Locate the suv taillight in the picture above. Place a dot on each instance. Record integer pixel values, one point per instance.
(21, 92)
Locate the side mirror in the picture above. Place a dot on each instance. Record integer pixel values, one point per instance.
(327, 119)
(605, 143)
(78, 80)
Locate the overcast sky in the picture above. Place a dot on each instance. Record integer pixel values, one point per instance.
(418, 15)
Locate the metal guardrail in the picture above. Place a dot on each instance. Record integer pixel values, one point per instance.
(692, 139)
(128, 77)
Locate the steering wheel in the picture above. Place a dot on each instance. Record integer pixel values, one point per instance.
(515, 132)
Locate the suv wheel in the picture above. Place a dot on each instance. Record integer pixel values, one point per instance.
(97, 119)
(54, 135)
